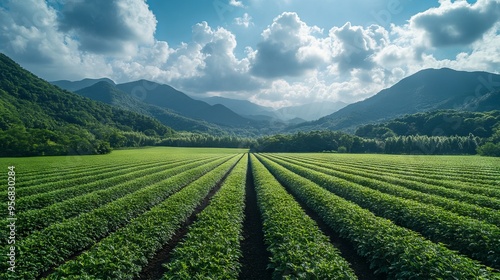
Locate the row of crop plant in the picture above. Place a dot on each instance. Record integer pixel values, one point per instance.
(37, 219)
(472, 237)
(424, 169)
(123, 254)
(47, 248)
(391, 249)
(440, 185)
(463, 207)
(211, 249)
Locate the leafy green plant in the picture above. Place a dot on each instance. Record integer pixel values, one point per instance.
(37, 219)
(431, 180)
(474, 238)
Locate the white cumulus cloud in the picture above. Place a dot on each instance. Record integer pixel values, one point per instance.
(289, 48)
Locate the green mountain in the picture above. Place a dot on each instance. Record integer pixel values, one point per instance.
(165, 96)
(38, 118)
(108, 93)
(487, 102)
(427, 90)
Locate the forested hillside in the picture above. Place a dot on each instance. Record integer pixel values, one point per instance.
(458, 128)
(436, 123)
(37, 118)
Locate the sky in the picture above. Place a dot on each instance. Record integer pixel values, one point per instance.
(273, 53)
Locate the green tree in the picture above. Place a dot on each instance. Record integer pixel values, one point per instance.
(489, 149)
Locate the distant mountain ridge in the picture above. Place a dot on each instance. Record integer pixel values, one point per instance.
(310, 111)
(109, 94)
(78, 85)
(243, 108)
(427, 90)
(305, 112)
(167, 97)
(176, 103)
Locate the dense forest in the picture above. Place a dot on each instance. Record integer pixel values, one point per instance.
(451, 130)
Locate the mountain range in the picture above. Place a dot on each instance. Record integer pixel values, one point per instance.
(244, 113)
(310, 111)
(301, 113)
(141, 95)
(424, 91)
(78, 85)
(108, 93)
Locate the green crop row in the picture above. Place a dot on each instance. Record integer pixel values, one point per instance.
(477, 239)
(36, 177)
(30, 221)
(51, 246)
(435, 174)
(61, 182)
(123, 254)
(474, 179)
(438, 166)
(86, 184)
(462, 208)
(299, 250)
(211, 249)
(399, 252)
(484, 196)
(47, 169)
(472, 182)
(30, 184)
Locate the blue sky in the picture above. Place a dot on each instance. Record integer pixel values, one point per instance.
(275, 53)
(175, 18)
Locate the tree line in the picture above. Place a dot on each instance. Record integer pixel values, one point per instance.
(333, 141)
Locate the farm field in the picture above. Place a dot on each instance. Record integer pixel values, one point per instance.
(199, 213)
